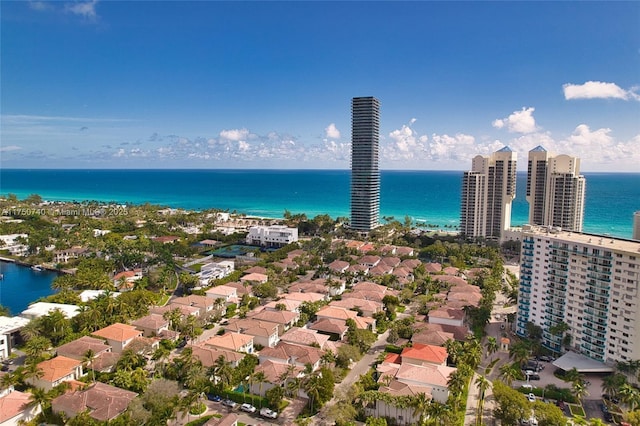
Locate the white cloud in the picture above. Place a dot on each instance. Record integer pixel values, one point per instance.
(10, 148)
(39, 5)
(583, 136)
(87, 9)
(235, 134)
(598, 90)
(331, 132)
(518, 122)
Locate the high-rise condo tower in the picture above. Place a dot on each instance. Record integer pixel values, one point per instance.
(487, 192)
(555, 190)
(365, 175)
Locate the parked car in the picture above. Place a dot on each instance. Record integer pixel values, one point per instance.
(534, 376)
(270, 414)
(608, 417)
(214, 398)
(248, 408)
(531, 397)
(229, 403)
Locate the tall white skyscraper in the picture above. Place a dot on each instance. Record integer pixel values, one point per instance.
(636, 226)
(555, 190)
(488, 190)
(365, 175)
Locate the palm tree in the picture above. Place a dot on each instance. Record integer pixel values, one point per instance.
(312, 388)
(491, 345)
(88, 360)
(613, 382)
(260, 378)
(39, 397)
(509, 373)
(629, 395)
(580, 390)
(420, 404)
(222, 371)
(520, 352)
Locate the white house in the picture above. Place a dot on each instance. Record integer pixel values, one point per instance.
(272, 236)
(8, 329)
(9, 242)
(16, 407)
(40, 309)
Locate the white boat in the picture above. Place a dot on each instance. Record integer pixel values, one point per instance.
(37, 268)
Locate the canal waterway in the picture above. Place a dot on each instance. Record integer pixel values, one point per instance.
(21, 286)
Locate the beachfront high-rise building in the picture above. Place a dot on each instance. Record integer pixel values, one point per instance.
(636, 226)
(582, 290)
(487, 192)
(365, 175)
(555, 190)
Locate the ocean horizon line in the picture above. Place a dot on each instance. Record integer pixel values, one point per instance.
(179, 169)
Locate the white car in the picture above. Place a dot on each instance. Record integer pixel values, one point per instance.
(531, 397)
(248, 408)
(270, 414)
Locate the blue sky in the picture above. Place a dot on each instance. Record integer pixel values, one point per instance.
(114, 84)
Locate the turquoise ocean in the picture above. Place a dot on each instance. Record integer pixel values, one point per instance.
(432, 197)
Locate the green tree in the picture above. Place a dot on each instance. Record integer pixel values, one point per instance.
(274, 397)
(511, 405)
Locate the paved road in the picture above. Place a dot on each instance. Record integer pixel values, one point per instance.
(361, 367)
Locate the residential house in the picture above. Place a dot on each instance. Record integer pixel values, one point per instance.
(448, 316)
(264, 333)
(255, 278)
(230, 419)
(203, 303)
(402, 414)
(232, 342)
(305, 297)
(78, 349)
(370, 261)
(305, 337)
(16, 407)
(151, 325)
(118, 335)
(276, 374)
(125, 280)
(367, 308)
(284, 319)
(297, 355)
(168, 239)
(272, 236)
(55, 371)
(283, 305)
(10, 334)
(338, 266)
(40, 309)
(185, 310)
(335, 329)
(421, 354)
(256, 270)
(12, 243)
(208, 355)
(64, 256)
(224, 292)
(102, 402)
(309, 287)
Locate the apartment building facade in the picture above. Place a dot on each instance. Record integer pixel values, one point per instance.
(488, 190)
(588, 282)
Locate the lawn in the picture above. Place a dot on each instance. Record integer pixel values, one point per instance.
(576, 410)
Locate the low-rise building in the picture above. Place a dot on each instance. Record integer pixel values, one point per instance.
(272, 236)
(10, 334)
(102, 402)
(55, 371)
(40, 309)
(16, 408)
(118, 335)
(232, 342)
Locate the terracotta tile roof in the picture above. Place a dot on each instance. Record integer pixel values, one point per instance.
(304, 297)
(222, 290)
(104, 402)
(449, 279)
(404, 251)
(402, 272)
(288, 351)
(118, 332)
(336, 313)
(290, 305)
(450, 270)
(241, 288)
(165, 239)
(105, 361)
(352, 302)
(329, 325)
(432, 337)
(195, 300)
(428, 353)
(151, 321)
(255, 277)
(391, 261)
(432, 267)
(397, 388)
(447, 313)
(277, 317)
(13, 404)
(308, 287)
(57, 368)
(184, 309)
(256, 270)
(338, 265)
(364, 294)
(427, 374)
(230, 341)
(367, 247)
(358, 268)
(209, 355)
(411, 263)
(369, 286)
(460, 333)
(274, 371)
(304, 336)
(252, 327)
(230, 419)
(77, 349)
